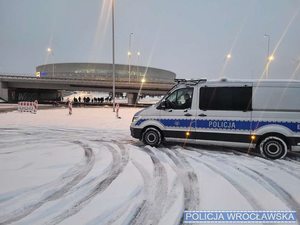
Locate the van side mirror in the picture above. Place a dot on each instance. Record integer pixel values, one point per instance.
(162, 105)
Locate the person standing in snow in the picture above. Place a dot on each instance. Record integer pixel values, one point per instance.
(35, 106)
(69, 103)
(117, 111)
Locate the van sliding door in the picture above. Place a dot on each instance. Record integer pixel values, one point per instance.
(224, 114)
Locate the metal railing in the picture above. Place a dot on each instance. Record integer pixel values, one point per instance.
(121, 80)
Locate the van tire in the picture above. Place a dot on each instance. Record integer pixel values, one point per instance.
(152, 136)
(273, 147)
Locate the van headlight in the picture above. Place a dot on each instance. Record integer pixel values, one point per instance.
(135, 118)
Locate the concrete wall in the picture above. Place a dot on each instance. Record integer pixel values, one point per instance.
(132, 98)
(3, 91)
(36, 94)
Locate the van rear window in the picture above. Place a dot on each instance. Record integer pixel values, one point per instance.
(226, 98)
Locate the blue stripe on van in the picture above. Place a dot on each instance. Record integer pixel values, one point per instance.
(222, 124)
(293, 126)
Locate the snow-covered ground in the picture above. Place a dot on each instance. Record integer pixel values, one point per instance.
(86, 169)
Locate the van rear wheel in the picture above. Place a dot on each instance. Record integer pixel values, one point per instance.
(152, 137)
(273, 147)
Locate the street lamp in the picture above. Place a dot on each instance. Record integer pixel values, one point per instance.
(269, 58)
(129, 56)
(143, 80)
(50, 52)
(138, 62)
(113, 52)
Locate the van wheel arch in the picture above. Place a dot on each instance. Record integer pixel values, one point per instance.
(152, 128)
(279, 141)
(281, 136)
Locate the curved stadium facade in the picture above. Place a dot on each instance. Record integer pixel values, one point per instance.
(102, 71)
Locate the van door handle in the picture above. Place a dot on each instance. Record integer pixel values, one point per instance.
(188, 114)
(202, 115)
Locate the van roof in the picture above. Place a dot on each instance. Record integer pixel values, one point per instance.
(254, 82)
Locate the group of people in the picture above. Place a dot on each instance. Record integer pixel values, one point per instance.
(92, 100)
(70, 108)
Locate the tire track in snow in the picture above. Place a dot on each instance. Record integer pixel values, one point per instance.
(263, 180)
(289, 170)
(280, 164)
(277, 190)
(172, 196)
(270, 185)
(147, 188)
(273, 187)
(267, 183)
(250, 197)
(147, 192)
(160, 184)
(188, 179)
(119, 163)
(150, 210)
(143, 208)
(90, 161)
(69, 179)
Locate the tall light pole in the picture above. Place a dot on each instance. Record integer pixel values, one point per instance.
(137, 66)
(129, 56)
(268, 55)
(50, 52)
(113, 52)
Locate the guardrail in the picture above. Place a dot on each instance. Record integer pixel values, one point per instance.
(28, 106)
(3, 76)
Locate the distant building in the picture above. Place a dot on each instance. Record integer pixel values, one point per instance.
(102, 71)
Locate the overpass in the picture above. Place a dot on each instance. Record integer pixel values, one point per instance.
(11, 87)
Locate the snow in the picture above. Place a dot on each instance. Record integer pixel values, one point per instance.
(95, 118)
(87, 169)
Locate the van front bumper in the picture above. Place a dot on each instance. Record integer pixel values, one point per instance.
(136, 132)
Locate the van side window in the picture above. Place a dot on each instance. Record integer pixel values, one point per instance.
(226, 98)
(180, 99)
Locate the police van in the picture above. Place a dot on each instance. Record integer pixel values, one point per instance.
(262, 114)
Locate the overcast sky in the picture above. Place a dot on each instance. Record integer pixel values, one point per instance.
(188, 37)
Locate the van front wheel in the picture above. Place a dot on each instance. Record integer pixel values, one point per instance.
(273, 147)
(152, 137)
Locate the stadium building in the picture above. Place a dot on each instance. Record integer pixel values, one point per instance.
(102, 71)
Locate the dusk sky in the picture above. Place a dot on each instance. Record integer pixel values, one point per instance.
(188, 37)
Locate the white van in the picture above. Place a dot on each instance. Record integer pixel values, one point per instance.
(253, 114)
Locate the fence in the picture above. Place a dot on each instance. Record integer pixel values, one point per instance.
(28, 106)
